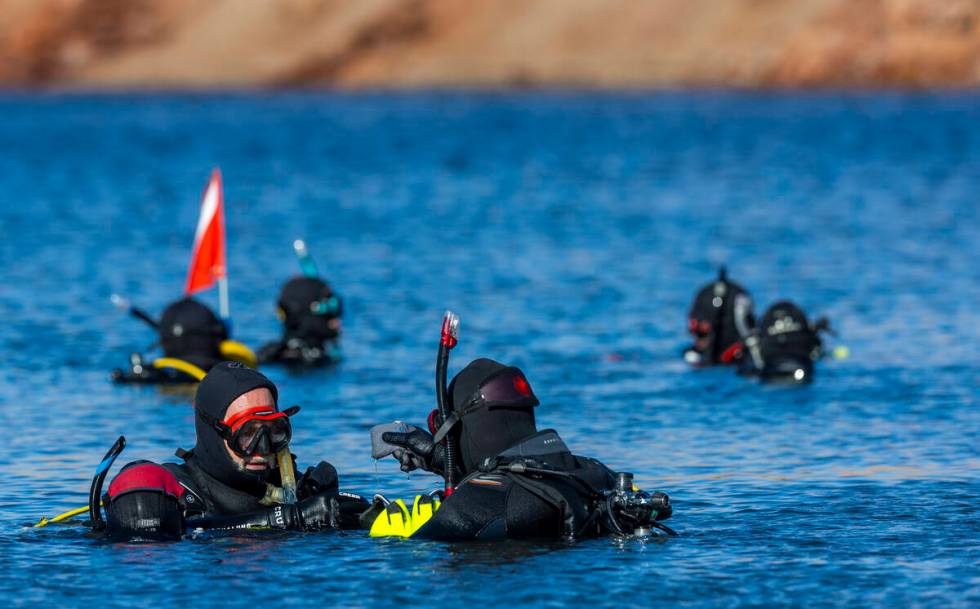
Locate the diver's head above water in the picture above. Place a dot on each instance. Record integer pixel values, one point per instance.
(491, 409)
(788, 344)
(719, 319)
(239, 426)
(189, 330)
(495, 404)
(309, 309)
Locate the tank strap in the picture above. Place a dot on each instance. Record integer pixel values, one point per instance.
(527, 474)
(552, 498)
(532, 467)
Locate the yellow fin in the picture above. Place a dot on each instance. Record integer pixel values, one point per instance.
(422, 510)
(238, 352)
(394, 521)
(397, 521)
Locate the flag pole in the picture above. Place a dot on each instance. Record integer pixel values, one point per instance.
(223, 307)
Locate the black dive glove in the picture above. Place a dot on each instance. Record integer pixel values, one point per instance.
(419, 451)
(317, 480)
(334, 511)
(323, 511)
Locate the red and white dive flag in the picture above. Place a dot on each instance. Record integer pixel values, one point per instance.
(208, 259)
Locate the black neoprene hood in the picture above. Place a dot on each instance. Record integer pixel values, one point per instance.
(488, 430)
(222, 386)
(300, 321)
(190, 330)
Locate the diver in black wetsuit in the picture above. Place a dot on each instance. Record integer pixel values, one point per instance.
(720, 318)
(516, 481)
(310, 312)
(188, 331)
(785, 346)
(230, 479)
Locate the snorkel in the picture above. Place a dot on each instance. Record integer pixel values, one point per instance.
(124, 305)
(288, 475)
(306, 263)
(720, 294)
(447, 340)
(95, 492)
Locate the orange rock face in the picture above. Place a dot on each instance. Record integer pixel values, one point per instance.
(489, 43)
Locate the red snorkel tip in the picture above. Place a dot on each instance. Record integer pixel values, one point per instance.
(450, 329)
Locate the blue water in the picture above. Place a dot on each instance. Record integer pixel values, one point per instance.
(569, 231)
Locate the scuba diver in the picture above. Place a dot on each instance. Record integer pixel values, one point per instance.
(514, 480)
(720, 318)
(239, 475)
(310, 312)
(785, 346)
(193, 340)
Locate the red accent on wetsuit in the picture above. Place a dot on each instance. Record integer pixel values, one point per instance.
(433, 428)
(145, 477)
(730, 353)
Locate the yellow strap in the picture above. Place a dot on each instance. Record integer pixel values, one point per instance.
(43, 522)
(238, 352)
(178, 364)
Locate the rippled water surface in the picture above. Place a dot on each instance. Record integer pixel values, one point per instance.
(569, 232)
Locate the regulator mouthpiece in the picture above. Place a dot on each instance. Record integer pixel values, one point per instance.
(450, 329)
(119, 302)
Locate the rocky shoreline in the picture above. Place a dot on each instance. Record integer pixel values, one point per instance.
(753, 44)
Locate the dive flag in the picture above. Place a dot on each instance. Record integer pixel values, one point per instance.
(208, 259)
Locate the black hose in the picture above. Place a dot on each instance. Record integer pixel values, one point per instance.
(442, 399)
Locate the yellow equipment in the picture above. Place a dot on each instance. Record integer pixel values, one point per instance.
(397, 521)
(43, 522)
(181, 365)
(238, 352)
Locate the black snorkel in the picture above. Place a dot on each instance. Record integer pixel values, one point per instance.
(721, 294)
(95, 492)
(447, 340)
(124, 305)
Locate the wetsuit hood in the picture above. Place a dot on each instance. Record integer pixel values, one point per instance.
(720, 318)
(496, 406)
(307, 305)
(190, 331)
(222, 385)
(787, 342)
